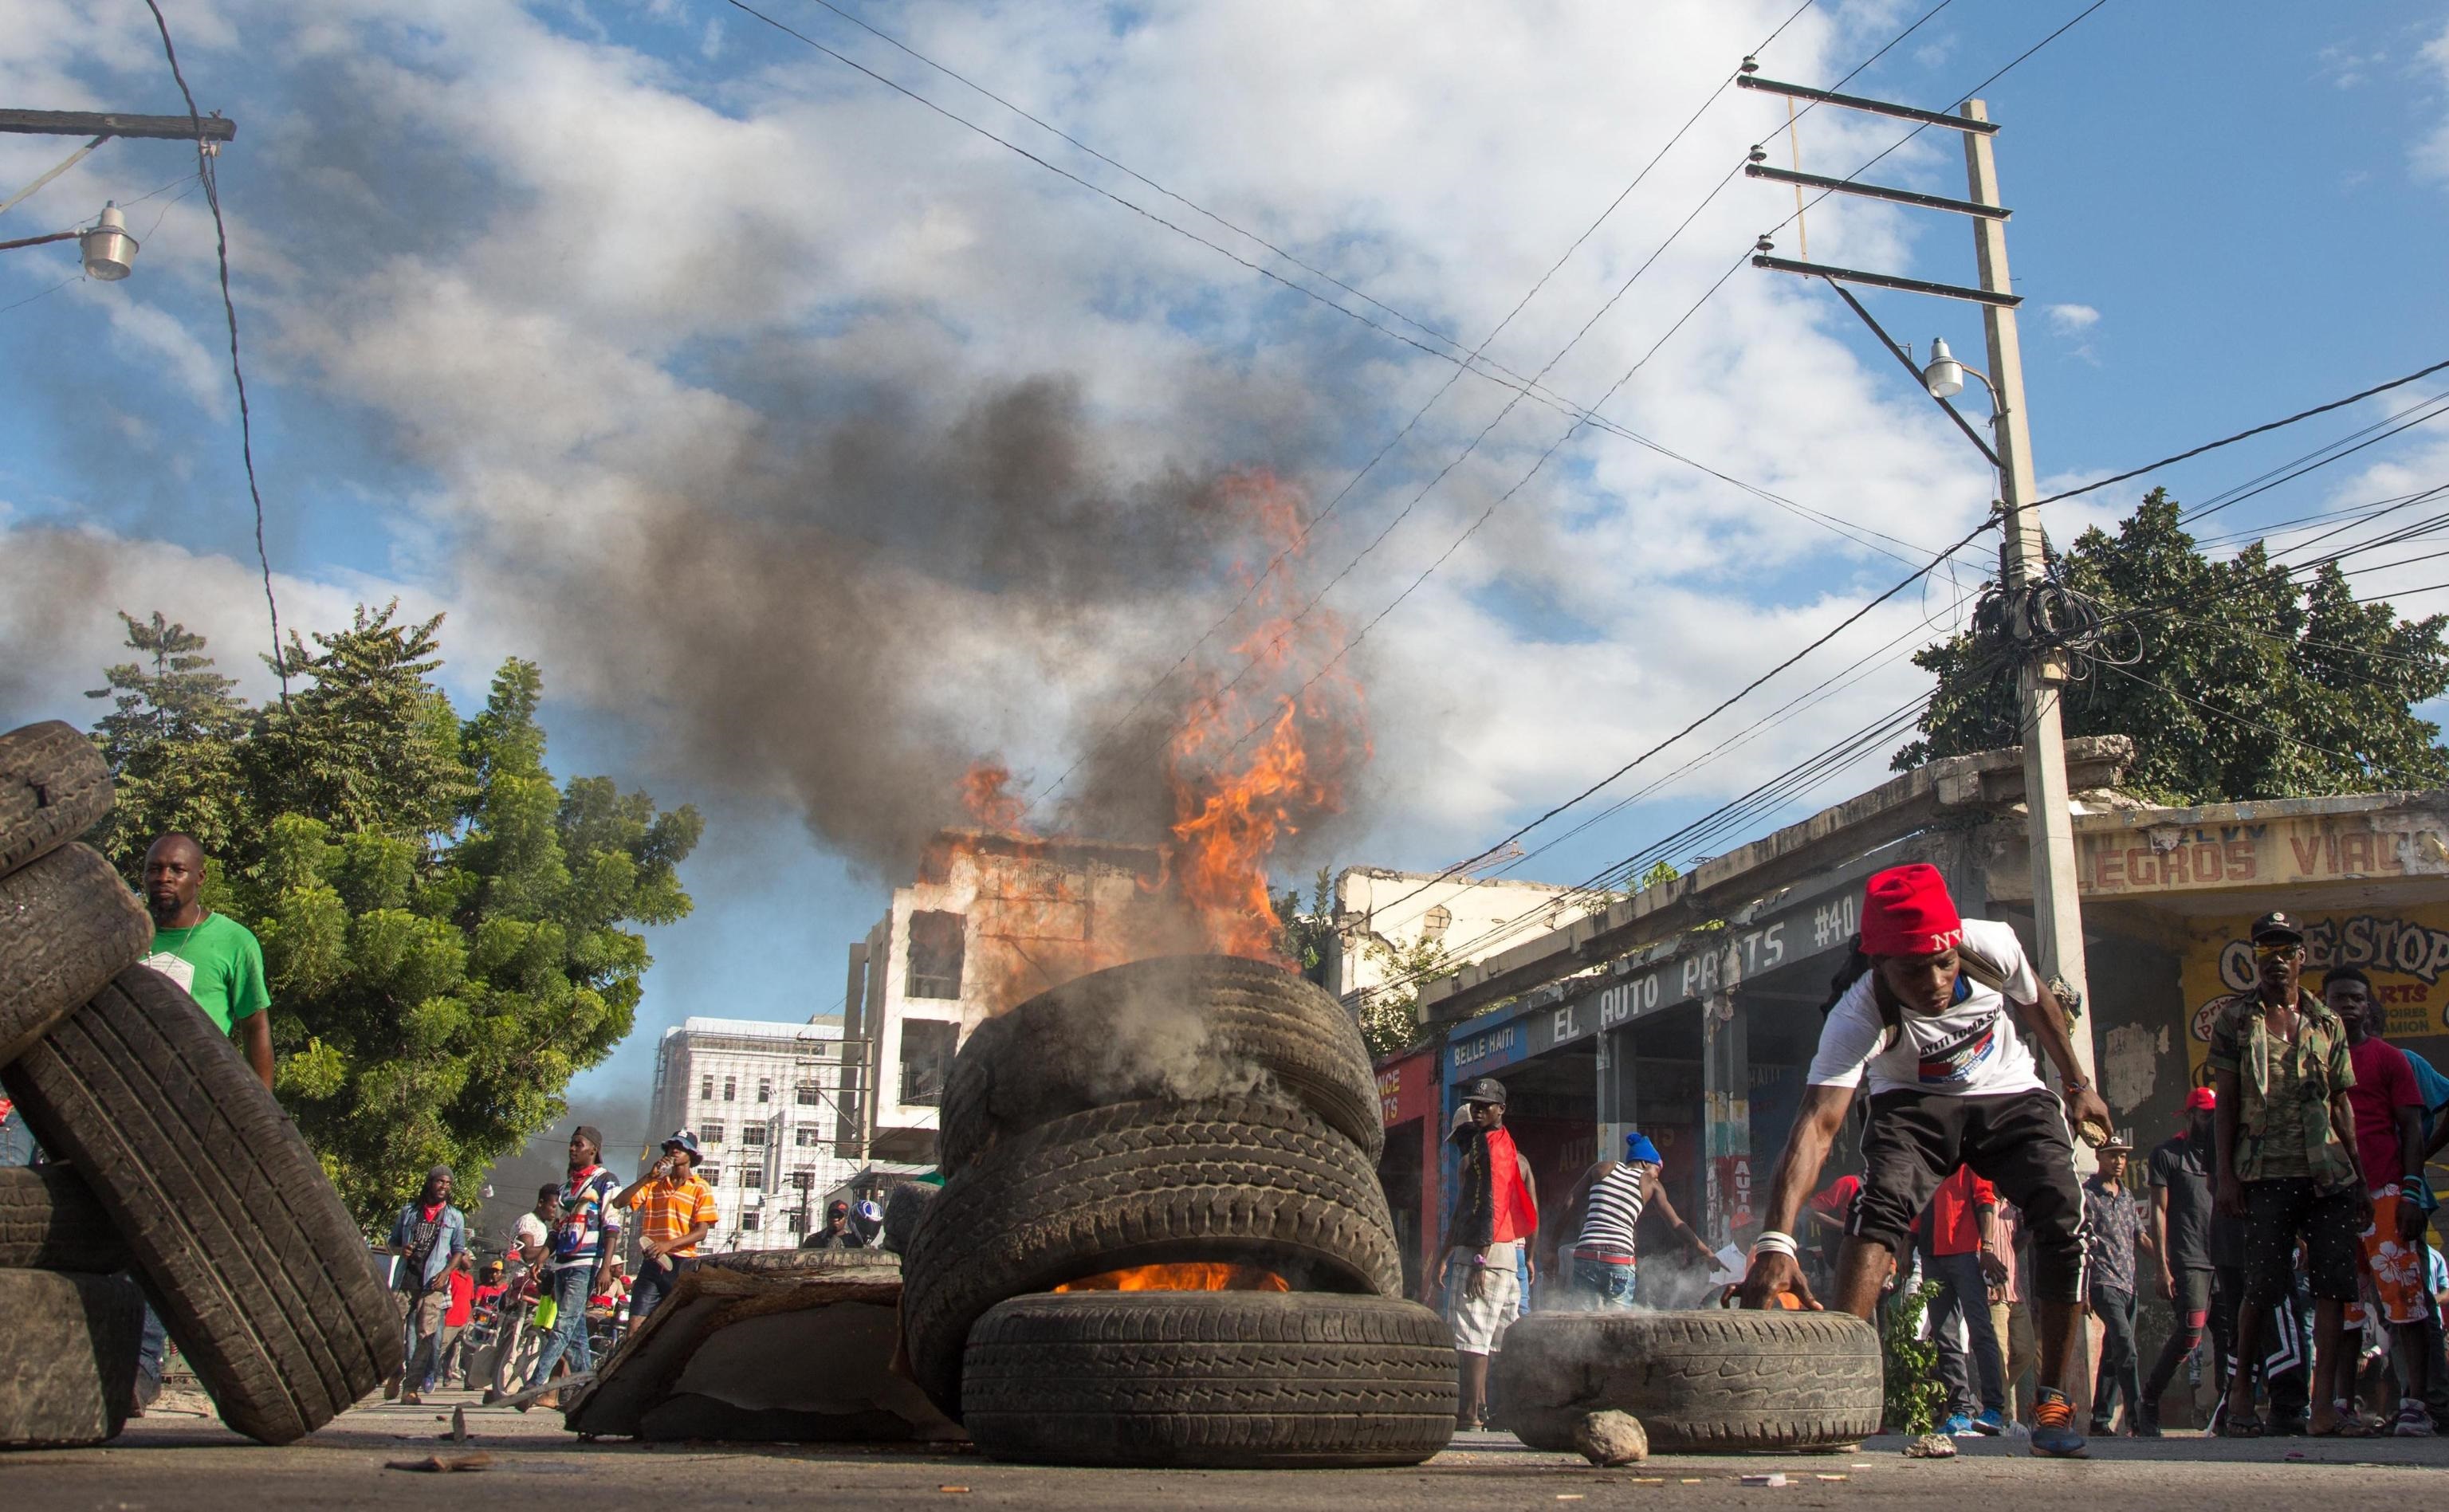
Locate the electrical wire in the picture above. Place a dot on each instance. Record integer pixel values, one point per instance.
(2240, 436)
(238, 373)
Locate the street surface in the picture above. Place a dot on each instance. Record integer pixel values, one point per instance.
(178, 1463)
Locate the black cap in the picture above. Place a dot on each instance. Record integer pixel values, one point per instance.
(2276, 926)
(1486, 1089)
(836, 1210)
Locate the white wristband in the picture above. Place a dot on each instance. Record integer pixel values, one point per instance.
(1771, 1241)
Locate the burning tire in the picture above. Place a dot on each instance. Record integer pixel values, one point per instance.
(1224, 1380)
(67, 926)
(49, 1221)
(54, 786)
(1711, 1380)
(256, 1268)
(1173, 1026)
(1245, 1180)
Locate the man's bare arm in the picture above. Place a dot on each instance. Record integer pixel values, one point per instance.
(2046, 1016)
(1815, 1122)
(254, 1039)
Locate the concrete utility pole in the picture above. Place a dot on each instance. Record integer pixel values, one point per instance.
(2049, 823)
(2057, 910)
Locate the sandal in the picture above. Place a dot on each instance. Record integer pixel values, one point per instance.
(2240, 1425)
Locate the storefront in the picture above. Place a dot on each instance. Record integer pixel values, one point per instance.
(1408, 1106)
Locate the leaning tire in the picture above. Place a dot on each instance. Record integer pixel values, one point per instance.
(1707, 1380)
(67, 926)
(1252, 1181)
(1178, 1026)
(49, 1221)
(54, 787)
(67, 1370)
(254, 1265)
(1221, 1380)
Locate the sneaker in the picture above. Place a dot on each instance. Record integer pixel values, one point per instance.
(2147, 1424)
(2054, 1427)
(2414, 1422)
(1957, 1426)
(1990, 1421)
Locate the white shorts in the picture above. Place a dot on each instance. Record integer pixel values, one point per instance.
(1479, 1323)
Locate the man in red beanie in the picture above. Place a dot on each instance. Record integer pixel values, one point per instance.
(1931, 1024)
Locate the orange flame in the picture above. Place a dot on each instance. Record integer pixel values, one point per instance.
(1191, 1275)
(986, 798)
(1261, 753)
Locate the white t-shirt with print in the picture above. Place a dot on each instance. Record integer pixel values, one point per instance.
(529, 1230)
(1972, 1050)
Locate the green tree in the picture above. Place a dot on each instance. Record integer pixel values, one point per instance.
(445, 929)
(1390, 1015)
(2251, 682)
(1305, 937)
(171, 741)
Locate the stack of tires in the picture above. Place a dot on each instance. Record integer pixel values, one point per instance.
(178, 1169)
(1185, 1109)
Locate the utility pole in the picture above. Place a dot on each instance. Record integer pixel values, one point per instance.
(2049, 820)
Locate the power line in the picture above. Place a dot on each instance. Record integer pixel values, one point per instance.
(238, 373)
(2240, 436)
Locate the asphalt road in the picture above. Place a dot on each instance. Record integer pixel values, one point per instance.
(188, 1464)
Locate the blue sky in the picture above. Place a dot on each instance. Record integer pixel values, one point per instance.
(522, 285)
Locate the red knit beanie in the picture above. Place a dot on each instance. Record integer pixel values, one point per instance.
(1906, 911)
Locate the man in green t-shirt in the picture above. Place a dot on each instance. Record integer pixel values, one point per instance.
(213, 956)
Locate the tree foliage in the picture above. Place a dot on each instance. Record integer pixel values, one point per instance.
(2252, 681)
(447, 929)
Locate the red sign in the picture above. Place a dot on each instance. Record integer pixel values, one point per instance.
(1407, 1089)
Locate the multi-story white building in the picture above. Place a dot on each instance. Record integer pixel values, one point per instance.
(1387, 923)
(767, 1100)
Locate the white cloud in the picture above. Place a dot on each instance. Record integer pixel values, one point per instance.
(2072, 319)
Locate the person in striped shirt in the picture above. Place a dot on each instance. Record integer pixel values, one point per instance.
(1611, 1197)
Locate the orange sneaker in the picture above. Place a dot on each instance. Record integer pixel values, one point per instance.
(2053, 1431)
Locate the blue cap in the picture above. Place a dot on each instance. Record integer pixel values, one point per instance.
(1637, 1148)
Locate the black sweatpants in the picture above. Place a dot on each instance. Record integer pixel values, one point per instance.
(2017, 1142)
(2120, 1366)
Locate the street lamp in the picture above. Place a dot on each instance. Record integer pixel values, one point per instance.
(1944, 377)
(109, 251)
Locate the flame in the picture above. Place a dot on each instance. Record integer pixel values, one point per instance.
(986, 799)
(1191, 1275)
(1261, 752)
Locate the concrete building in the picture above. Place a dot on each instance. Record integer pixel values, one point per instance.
(765, 1100)
(1383, 918)
(994, 918)
(1690, 1010)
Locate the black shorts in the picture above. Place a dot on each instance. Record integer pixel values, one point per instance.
(2279, 1211)
(1914, 1141)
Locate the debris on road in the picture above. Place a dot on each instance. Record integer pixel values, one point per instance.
(1611, 1438)
(436, 1464)
(1931, 1446)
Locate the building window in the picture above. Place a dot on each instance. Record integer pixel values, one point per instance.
(926, 1060)
(748, 1221)
(730, 1088)
(705, 1088)
(798, 1220)
(807, 1094)
(711, 1175)
(935, 953)
(1434, 922)
(807, 1136)
(803, 1180)
(764, 1089)
(752, 1134)
(710, 1132)
(752, 1178)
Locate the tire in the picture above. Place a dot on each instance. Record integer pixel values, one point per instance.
(67, 926)
(1217, 1380)
(1699, 1381)
(68, 1375)
(245, 1249)
(902, 1211)
(54, 786)
(49, 1221)
(1248, 1179)
(1179, 1027)
(784, 1263)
